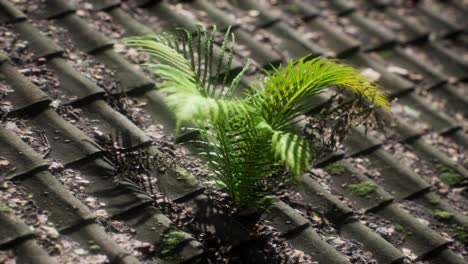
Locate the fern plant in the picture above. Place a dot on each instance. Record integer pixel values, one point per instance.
(247, 139)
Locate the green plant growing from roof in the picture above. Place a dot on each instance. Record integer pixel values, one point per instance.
(5, 209)
(442, 215)
(246, 140)
(451, 178)
(399, 228)
(448, 175)
(336, 168)
(363, 188)
(171, 241)
(459, 233)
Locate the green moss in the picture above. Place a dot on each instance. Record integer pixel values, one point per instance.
(5, 209)
(399, 228)
(94, 248)
(185, 176)
(442, 215)
(170, 241)
(174, 238)
(459, 233)
(448, 175)
(362, 188)
(293, 8)
(440, 167)
(451, 178)
(336, 168)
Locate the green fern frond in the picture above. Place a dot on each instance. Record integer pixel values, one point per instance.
(156, 46)
(187, 101)
(194, 90)
(293, 151)
(280, 98)
(235, 149)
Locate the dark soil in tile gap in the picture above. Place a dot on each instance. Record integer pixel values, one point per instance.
(158, 25)
(443, 105)
(353, 250)
(416, 50)
(61, 248)
(33, 68)
(32, 9)
(76, 184)
(119, 231)
(5, 106)
(36, 139)
(447, 11)
(409, 115)
(427, 217)
(431, 171)
(82, 62)
(382, 227)
(445, 144)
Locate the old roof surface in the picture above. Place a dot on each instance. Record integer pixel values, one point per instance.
(61, 69)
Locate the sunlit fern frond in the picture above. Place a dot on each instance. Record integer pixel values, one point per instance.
(188, 103)
(193, 79)
(281, 96)
(193, 54)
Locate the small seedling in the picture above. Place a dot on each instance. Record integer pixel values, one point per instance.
(362, 188)
(248, 140)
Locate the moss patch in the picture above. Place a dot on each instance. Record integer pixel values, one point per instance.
(399, 228)
(183, 175)
(451, 178)
(362, 188)
(336, 168)
(459, 233)
(95, 248)
(442, 215)
(267, 202)
(5, 209)
(170, 241)
(448, 175)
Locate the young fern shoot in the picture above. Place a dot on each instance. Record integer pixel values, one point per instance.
(246, 140)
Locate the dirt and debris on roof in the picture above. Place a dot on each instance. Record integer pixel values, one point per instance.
(69, 91)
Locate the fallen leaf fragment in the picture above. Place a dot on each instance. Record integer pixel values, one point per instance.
(397, 70)
(371, 74)
(4, 162)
